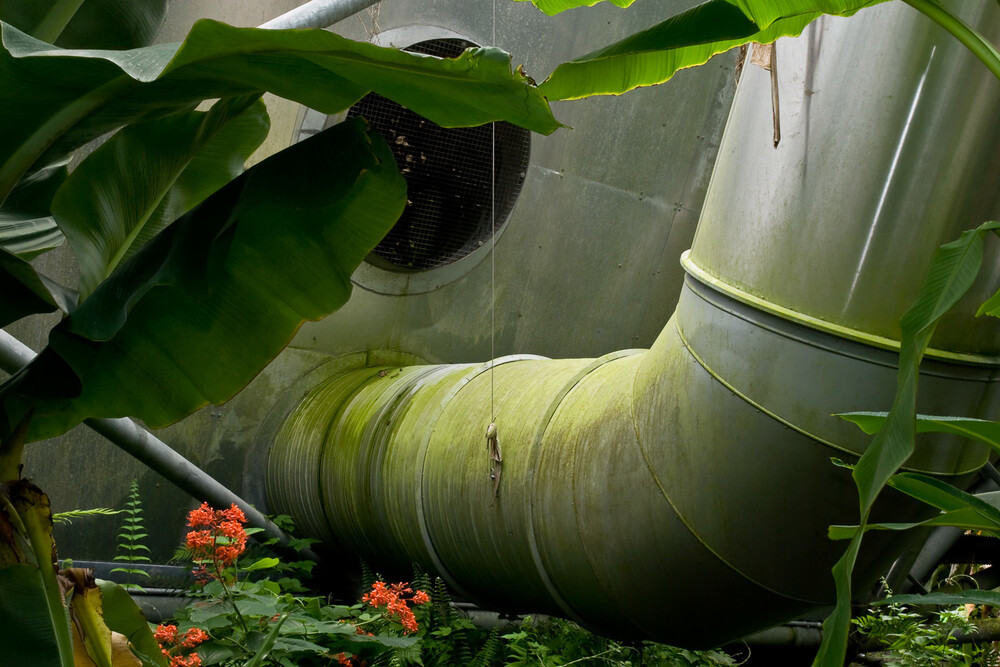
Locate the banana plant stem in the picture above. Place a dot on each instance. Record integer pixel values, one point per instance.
(975, 42)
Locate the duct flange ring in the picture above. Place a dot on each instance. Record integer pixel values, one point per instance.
(457, 180)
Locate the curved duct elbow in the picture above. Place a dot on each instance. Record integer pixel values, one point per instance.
(635, 489)
(640, 489)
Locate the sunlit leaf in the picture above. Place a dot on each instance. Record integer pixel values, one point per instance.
(982, 430)
(97, 24)
(942, 495)
(685, 40)
(123, 615)
(977, 597)
(953, 268)
(197, 312)
(146, 176)
(966, 518)
(87, 93)
(552, 7)
(990, 307)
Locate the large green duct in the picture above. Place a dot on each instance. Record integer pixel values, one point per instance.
(632, 485)
(644, 490)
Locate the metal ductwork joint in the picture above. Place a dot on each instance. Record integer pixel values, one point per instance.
(641, 488)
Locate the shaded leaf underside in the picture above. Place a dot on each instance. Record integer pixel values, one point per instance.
(197, 312)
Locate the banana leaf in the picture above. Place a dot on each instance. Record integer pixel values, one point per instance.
(149, 174)
(690, 38)
(26, 292)
(27, 228)
(55, 100)
(193, 315)
(93, 24)
(123, 615)
(983, 430)
(954, 267)
(552, 7)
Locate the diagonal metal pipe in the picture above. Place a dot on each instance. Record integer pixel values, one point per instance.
(153, 452)
(317, 14)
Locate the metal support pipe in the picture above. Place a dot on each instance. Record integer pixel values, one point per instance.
(155, 453)
(317, 14)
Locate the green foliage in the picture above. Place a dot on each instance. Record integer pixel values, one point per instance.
(149, 174)
(131, 546)
(913, 641)
(310, 632)
(554, 642)
(161, 293)
(952, 271)
(654, 55)
(69, 516)
(122, 615)
(94, 24)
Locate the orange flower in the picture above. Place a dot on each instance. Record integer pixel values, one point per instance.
(165, 633)
(194, 636)
(397, 606)
(199, 539)
(234, 514)
(203, 516)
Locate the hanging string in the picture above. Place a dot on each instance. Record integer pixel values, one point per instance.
(493, 242)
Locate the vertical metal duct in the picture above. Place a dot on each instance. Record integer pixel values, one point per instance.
(642, 489)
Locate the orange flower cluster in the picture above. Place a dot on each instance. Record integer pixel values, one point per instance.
(396, 604)
(220, 541)
(167, 634)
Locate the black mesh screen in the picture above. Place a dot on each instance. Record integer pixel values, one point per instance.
(447, 171)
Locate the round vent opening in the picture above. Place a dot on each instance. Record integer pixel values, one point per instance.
(448, 175)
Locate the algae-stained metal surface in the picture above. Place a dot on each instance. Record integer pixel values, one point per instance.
(617, 224)
(621, 475)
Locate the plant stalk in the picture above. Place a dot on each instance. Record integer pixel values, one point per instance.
(975, 42)
(56, 20)
(37, 530)
(28, 152)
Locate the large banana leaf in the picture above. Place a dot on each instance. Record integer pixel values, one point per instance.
(26, 633)
(983, 430)
(147, 175)
(26, 226)
(123, 615)
(87, 24)
(685, 40)
(197, 312)
(952, 271)
(551, 7)
(25, 292)
(87, 92)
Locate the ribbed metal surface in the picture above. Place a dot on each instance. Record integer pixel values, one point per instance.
(294, 459)
(625, 475)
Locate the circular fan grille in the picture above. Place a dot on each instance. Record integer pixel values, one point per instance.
(447, 171)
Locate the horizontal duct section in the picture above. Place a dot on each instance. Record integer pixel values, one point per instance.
(637, 489)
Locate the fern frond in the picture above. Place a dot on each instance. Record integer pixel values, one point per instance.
(69, 515)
